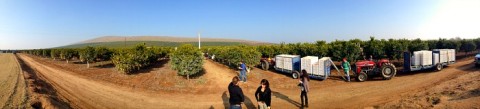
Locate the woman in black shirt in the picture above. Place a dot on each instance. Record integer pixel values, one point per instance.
(263, 95)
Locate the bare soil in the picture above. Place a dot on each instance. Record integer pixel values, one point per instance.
(160, 87)
(13, 92)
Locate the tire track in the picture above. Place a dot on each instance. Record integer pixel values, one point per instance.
(13, 97)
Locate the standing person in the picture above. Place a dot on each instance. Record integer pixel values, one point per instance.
(304, 87)
(346, 68)
(263, 95)
(236, 94)
(243, 71)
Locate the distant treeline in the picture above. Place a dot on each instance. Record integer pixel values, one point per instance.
(356, 49)
(127, 44)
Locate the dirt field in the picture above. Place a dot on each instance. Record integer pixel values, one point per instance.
(13, 92)
(159, 87)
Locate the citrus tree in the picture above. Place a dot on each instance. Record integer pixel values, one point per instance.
(88, 55)
(187, 60)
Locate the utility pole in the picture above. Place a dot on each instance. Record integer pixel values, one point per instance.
(198, 40)
(125, 42)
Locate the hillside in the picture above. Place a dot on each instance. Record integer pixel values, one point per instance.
(119, 42)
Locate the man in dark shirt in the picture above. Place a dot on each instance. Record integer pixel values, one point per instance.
(236, 94)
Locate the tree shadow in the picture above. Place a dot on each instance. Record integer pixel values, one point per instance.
(470, 67)
(39, 86)
(78, 62)
(286, 98)
(248, 102)
(108, 65)
(197, 75)
(147, 69)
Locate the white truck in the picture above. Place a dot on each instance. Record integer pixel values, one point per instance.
(425, 59)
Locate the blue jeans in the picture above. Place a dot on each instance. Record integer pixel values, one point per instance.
(243, 76)
(347, 74)
(235, 107)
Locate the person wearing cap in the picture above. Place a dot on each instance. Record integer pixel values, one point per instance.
(346, 68)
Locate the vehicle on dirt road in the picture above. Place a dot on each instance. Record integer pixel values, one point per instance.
(266, 63)
(425, 60)
(293, 64)
(369, 68)
(477, 60)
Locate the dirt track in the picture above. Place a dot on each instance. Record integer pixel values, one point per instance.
(13, 92)
(83, 92)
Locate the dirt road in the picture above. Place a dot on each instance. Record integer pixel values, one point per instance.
(13, 92)
(83, 92)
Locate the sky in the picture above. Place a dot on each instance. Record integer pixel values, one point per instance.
(34, 24)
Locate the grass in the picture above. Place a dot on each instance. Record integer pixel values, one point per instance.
(123, 44)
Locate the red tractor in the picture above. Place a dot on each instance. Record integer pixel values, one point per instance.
(267, 63)
(363, 69)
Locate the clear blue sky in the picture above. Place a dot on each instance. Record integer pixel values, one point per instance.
(27, 24)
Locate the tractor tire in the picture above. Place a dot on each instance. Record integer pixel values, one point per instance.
(265, 65)
(438, 67)
(361, 77)
(388, 71)
(295, 75)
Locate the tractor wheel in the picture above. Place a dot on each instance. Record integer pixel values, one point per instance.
(439, 67)
(362, 76)
(265, 65)
(388, 71)
(295, 75)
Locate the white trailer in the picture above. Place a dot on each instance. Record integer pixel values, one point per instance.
(288, 64)
(421, 60)
(316, 68)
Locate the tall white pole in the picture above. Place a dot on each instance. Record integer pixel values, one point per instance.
(198, 40)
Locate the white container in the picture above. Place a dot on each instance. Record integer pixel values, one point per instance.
(426, 58)
(288, 61)
(279, 61)
(322, 68)
(446, 55)
(307, 63)
(443, 55)
(436, 58)
(451, 55)
(416, 58)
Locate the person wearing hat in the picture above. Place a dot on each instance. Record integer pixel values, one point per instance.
(346, 68)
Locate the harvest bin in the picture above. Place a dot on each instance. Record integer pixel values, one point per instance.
(321, 69)
(287, 63)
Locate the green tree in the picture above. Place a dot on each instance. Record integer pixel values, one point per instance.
(103, 53)
(187, 60)
(348, 49)
(394, 49)
(417, 45)
(46, 52)
(375, 48)
(322, 48)
(130, 60)
(55, 53)
(88, 55)
(467, 46)
(68, 54)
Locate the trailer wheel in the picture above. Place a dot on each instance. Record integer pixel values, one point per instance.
(388, 71)
(439, 67)
(362, 76)
(265, 65)
(295, 75)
